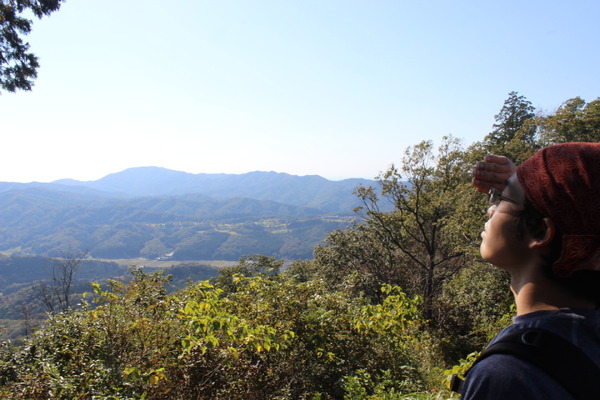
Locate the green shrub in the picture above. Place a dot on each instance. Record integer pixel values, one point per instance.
(265, 337)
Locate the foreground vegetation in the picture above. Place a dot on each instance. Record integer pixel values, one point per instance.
(381, 312)
(251, 335)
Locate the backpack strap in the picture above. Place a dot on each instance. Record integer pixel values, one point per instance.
(560, 359)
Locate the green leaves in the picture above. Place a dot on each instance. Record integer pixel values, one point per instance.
(268, 336)
(419, 235)
(574, 121)
(397, 317)
(18, 67)
(461, 368)
(212, 327)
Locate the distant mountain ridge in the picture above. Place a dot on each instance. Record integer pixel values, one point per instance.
(307, 191)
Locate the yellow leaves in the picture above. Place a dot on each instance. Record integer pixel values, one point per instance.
(327, 355)
(211, 325)
(131, 373)
(96, 287)
(233, 351)
(360, 326)
(461, 368)
(394, 319)
(152, 377)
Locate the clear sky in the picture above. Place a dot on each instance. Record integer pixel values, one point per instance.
(332, 88)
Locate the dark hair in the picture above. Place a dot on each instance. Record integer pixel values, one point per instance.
(584, 284)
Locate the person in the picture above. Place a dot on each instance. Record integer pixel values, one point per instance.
(544, 230)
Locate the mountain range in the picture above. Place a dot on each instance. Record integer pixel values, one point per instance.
(306, 191)
(152, 212)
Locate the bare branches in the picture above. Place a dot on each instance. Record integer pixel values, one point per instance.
(56, 295)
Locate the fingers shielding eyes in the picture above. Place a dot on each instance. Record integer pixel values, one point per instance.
(494, 171)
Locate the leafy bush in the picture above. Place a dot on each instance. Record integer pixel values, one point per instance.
(262, 336)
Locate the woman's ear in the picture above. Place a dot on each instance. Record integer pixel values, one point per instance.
(546, 236)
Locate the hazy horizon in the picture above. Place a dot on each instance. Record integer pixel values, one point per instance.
(187, 172)
(337, 89)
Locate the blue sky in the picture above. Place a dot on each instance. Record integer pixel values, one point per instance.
(331, 88)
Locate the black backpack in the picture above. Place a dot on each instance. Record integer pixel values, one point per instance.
(559, 358)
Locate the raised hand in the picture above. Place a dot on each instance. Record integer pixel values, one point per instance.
(493, 171)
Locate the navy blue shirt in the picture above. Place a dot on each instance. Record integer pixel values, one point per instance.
(501, 376)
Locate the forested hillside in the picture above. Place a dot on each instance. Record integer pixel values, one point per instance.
(45, 219)
(382, 311)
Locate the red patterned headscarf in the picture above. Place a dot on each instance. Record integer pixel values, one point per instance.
(563, 183)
